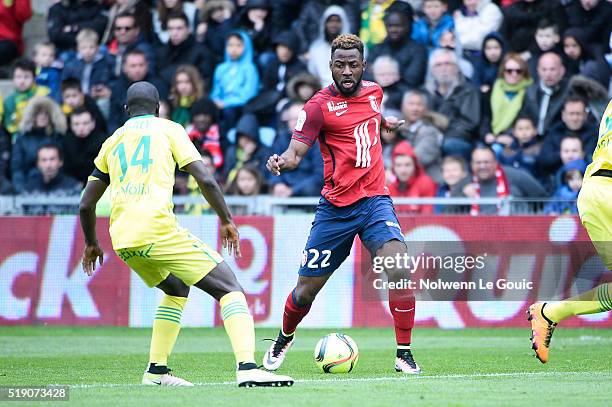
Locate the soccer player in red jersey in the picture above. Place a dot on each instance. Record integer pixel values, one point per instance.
(345, 117)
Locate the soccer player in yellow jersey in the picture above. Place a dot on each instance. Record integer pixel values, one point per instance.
(596, 216)
(138, 163)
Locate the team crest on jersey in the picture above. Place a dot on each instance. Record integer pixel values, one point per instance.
(333, 107)
(374, 104)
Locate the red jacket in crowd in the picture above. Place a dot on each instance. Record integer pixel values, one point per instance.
(13, 14)
(418, 185)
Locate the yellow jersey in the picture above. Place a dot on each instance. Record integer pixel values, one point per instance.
(602, 157)
(140, 159)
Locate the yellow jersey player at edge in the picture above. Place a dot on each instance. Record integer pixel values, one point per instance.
(596, 216)
(138, 163)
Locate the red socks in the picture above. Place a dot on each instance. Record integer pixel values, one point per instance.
(402, 308)
(293, 314)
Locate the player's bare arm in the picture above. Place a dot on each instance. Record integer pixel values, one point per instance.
(212, 193)
(289, 160)
(87, 212)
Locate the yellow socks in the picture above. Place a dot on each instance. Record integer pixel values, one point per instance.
(599, 299)
(166, 326)
(239, 326)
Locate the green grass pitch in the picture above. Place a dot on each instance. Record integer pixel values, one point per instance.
(472, 367)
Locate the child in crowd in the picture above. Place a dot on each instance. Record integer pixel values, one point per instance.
(48, 70)
(236, 80)
(428, 29)
(487, 65)
(455, 177)
(204, 131)
(73, 98)
(547, 39)
(522, 152)
(24, 74)
(567, 193)
(248, 181)
(187, 87)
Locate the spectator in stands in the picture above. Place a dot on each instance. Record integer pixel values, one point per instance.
(135, 69)
(422, 131)
(386, 73)
(129, 36)
(523, 150)
(593, 93)
(574, 120)
(204, 130)
(454, 177)
(13, 15)
(506, 100)
(428, 29)
(247, 150)
(24, 73)
(545, 98)
(73, 98)
(5, 162)
(521, 20)
(307, 179)
(474, 21)
(566, 195)
(48, 177)
(276, 75)
(91, 66)
(448, 40)
(372, 30)
(547, 39)
(182, 49)
(453, 97)
(411, 180)
(333, 22)
(410, 56)
(48, 70)
(308, 24)
(141, 13)
(165, 110)
(486, 67)
(236, 80)
(302, 87)
(578, 59)
(81, 144)
(215, 23)
(167, 8)
(388, 140)
(193, 189)
(43, 122)
(187, 87)
(593, 17)
(249, 181)
(256, 21)
(491, 180)
(67, 17)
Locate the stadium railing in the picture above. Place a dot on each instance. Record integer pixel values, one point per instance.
(268, 205)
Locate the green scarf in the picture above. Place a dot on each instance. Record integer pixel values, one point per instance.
(505, 110)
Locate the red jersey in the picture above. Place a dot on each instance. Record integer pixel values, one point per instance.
(348, 130)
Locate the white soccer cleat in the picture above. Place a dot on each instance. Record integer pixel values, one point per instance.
(258, 377)
(406, 363)
(168, 379)
(275, 355)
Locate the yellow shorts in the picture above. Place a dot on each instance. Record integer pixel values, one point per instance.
(182, 255)
(596, 214)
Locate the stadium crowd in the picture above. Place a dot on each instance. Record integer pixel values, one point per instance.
(501, 98)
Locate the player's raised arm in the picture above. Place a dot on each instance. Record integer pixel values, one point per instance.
(288, 160)
(87, 211)
(212, 193)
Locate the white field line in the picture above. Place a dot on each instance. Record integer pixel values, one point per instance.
(360, 379)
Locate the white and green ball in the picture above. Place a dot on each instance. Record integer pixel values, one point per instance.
(336, 353)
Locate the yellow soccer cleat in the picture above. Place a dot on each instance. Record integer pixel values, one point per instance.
(542, 330)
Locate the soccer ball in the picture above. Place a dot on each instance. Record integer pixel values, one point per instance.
(336, 353)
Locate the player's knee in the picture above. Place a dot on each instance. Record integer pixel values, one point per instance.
(304, 296)
(391, 248)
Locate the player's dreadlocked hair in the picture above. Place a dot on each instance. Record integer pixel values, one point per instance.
(347, 41)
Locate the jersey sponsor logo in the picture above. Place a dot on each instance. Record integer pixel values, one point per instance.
(301, 119)
(334, 107)
(374, 104)
(364, 143)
